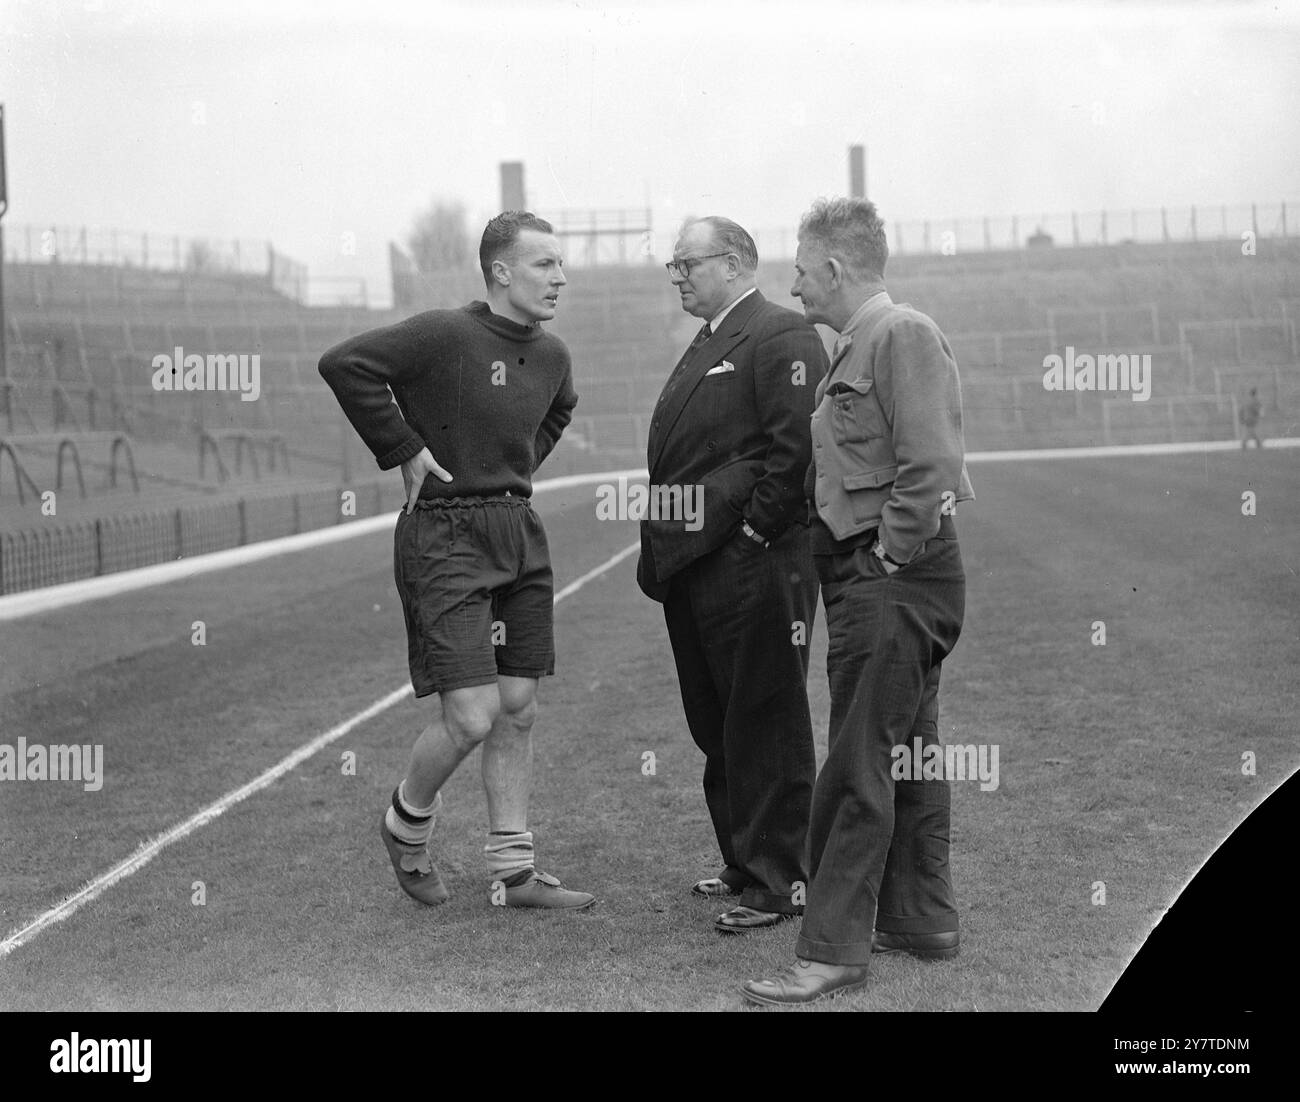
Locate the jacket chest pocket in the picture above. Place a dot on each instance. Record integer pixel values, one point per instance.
(855, 414)
(716, 398)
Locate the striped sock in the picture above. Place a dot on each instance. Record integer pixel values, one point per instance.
(411, 825)
(509, 856)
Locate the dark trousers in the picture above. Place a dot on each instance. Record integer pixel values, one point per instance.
(734, 619)
(878, 847)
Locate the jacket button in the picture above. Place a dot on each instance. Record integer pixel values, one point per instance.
(710, 446)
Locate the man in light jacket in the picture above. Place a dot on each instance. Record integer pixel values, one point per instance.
(888, 471)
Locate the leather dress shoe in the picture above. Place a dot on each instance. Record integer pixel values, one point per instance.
(805, 981)
(713, 887)
(925, 946)
(740, 920)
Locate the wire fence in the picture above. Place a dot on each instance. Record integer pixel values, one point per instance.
(940, 236)
(133, 249)
(599, 239)
(593, 242)
(65, 551)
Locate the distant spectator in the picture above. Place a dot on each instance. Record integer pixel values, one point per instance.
(1250, 420)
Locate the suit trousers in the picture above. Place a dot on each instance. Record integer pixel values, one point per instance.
(878, 847)
(740, 622)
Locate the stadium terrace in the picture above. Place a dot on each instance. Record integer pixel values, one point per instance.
(218, 372)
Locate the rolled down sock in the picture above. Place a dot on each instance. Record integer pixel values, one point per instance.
(411, 825)
(509, 856)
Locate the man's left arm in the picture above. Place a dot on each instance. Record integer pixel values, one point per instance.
(917, 383)
(788, 364)
(557, 418)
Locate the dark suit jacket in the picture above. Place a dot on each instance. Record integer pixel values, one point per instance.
(742, 435)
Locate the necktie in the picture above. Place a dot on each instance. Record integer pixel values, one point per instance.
(703, 335)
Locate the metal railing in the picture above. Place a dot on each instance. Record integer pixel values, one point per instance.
(128, 249)
(991, 233)
(63, 551)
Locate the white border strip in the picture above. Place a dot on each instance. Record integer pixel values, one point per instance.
(149, 850)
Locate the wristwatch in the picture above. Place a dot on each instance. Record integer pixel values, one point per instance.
(744, 527)
(883, 556)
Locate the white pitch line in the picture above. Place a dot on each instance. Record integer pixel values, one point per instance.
(150, 849)
(31, 602)
(578, 583)
(1103, 451)
(15, 606)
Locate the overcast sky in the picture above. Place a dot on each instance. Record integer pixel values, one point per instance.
(303, 121)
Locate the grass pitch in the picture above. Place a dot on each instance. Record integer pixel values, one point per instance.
(1120, 765)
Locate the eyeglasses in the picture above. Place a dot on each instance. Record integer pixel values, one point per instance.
(683, 267)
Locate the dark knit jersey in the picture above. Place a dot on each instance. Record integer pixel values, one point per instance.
(487, 396)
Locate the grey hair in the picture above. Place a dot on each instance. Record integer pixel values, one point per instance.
(850, 230)
(731, 237)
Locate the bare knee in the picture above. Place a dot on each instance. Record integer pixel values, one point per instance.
(518, 697)
(468, 714)
(521, 718)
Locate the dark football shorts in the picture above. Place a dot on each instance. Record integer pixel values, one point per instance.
(474, 575)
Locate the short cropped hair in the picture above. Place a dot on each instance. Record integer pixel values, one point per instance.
(501, 235)
(852, 231)
(730, 237)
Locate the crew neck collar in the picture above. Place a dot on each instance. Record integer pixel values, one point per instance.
(504, 327)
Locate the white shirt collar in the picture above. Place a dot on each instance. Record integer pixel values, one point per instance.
(715, 321)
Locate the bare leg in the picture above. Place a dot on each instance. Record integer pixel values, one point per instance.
(468, 716)
(508, 755)
(507, 780)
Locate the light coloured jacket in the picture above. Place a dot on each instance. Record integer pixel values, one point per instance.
(887, 436)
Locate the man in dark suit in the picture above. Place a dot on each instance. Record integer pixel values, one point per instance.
(731, 432)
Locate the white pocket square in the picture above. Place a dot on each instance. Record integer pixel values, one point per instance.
(721, 369)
